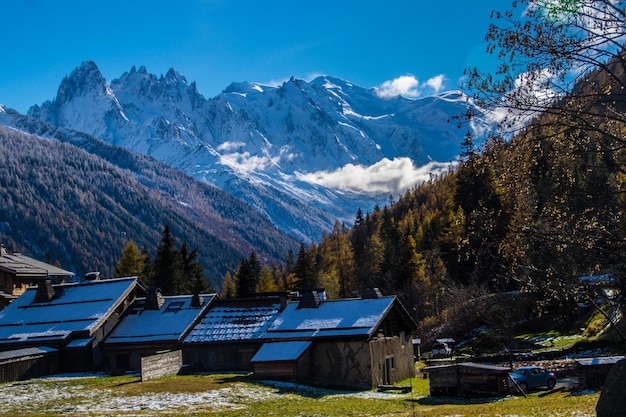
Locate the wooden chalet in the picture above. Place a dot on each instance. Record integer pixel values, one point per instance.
(18, 272)
(153, 324)
(229, 334)
(71, 318)
(350, 343)
(468, 379)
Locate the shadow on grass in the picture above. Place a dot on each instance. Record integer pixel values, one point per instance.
(454, 400)
(134, 381)
(232, 378)
(282, 387)
(302, 390)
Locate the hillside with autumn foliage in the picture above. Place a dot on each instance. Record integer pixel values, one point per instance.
(515, 226)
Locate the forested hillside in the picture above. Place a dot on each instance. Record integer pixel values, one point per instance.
(62, 204)
(527, 216)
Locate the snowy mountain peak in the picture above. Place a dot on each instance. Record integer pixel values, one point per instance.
(174, 77)
(86, 79)
(245, 88)
(84, 102)
(303, 154)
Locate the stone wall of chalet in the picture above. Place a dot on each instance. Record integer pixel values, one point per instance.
(396, 353)
(341, 364)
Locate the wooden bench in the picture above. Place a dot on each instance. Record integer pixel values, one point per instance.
(404, 389)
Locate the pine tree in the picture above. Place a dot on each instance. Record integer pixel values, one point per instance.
(371, 265)
(255, 270)
(131, 263)
(168, 264)
(344, 263)
(248, 275)
(305, 268)
(358, 238)
(193, 279)
(147, 274)
(266, 282)
(229, 287)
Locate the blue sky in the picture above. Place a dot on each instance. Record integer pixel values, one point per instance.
(422, 45)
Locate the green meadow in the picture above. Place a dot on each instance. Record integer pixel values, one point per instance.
(241, 395)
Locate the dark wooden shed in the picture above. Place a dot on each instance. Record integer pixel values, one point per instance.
(592, 372)
(468, 379)
(285, 361)
(28, 363)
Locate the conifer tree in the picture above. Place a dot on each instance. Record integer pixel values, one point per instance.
(358, 238)
(344, 261)
(266, 282)
(255, 270)
(247, 275)
(229, 287)
(168, 264)
(131, 263)
(242, 278)
(305, 268)
(371, 265)
(147, 275)
(193, 279)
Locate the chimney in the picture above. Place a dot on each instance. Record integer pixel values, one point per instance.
(197, 300)
(370, 293)
(45, 292)
(154, 299)
(309, 299)
(92, 276)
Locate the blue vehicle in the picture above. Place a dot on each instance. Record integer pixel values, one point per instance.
(528, 377)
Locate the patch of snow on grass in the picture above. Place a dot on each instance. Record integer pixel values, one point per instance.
(327, 393)
(31, 396)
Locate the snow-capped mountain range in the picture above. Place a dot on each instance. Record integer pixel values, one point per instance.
(303, 154)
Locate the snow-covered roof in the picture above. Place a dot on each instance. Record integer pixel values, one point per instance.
(171, 322)
(25, 352)
(235, 320)
(21, 265)
(75, 307)
(281, 351)
(348, 317)
(602, 360)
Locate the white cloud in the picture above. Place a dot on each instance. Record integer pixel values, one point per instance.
(245, 162)
(229, 146)
(409, 86)
(436, 83)
(405, 85)
(386, 176)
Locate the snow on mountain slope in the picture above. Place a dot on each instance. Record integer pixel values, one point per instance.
(303, 154)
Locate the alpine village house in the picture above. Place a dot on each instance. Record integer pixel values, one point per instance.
(117, 325)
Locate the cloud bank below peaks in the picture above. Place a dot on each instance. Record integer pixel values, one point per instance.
(393, 177)
(410, 87)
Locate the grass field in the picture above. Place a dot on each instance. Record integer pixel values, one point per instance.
(241, 395)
